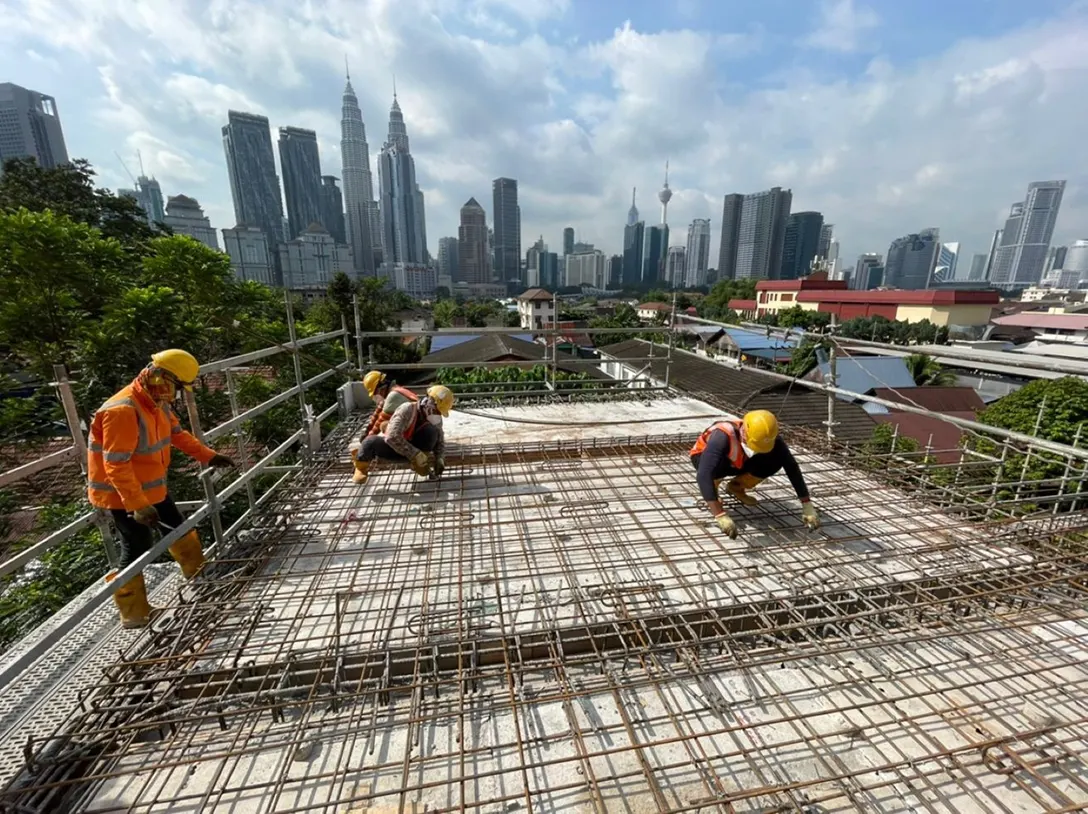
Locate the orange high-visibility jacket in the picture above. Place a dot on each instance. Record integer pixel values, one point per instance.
(129, 450)
(397, 396)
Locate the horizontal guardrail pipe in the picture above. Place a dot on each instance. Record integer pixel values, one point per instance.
(245, 358)
(526, 363)
(642, 329)
(38, 465)
(44, 545)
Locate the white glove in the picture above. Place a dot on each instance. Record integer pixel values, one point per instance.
(809, 516)
(726, 524)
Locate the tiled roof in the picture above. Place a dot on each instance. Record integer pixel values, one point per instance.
(747, 389)
(491, 347)
(534, 294)
(653, 306)
(937, 399)
(1028, 319)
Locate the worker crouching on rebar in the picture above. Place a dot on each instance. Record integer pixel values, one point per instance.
(128, 458)
(414, 434)
(750, 450)
(387, 396)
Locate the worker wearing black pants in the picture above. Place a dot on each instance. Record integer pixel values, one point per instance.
(136, 538)
(425, 439)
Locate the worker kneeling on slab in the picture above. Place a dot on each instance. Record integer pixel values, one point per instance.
(750, 450)
(128, 458)
(414, 434)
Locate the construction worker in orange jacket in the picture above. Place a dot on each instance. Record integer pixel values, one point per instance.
(387, 396)
(414, 434)
(128, 458)
(750, 450)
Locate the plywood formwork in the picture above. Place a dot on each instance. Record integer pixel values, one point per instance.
(555, 626)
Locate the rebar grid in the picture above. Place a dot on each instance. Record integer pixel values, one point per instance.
(559, 628)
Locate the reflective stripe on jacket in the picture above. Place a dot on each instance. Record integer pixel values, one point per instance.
(129, 450)
(397, 396)
(731, 427)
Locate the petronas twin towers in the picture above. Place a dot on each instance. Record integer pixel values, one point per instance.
(392, 229)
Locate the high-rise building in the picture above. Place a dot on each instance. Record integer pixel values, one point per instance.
(587, 268)
(826, 236)
(1076, 261)
(978, 268)
(532, 263)
(654, 251)
(632, 213)
(834, 262)
(1055, 258)
(404, 228)
(472, 251)
(801, 244)
(665, 195)
(549, 270)
(185, 217)
(615, 271)
(300, 164)
(568, 241)
(868, 272)
(1026, 237)
(148, 196)
(251, 255)
(30, 127)
(697, 256)
(507, 215)
(332, 211)
(944, 269)
(727, 251)
(761, 233)
(251, 167)
(633, 238)
(310, 261)
(911, 259)
(674, 266)
(447, 258)
(361, 220)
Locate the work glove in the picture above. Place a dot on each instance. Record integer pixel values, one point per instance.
(726, 524)
(221, 462)
(439, 466)
(421, 464)
(148, 516)
(809, 516)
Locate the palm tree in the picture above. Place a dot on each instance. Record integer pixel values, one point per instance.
(925, 370)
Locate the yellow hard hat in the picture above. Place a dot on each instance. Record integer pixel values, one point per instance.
(442, 396)
(760, 430)
(180, 364)
(372, 381)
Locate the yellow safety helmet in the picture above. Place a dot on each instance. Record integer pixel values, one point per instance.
(442, 396)
(180, 364)
(372, 381)
(760, 430)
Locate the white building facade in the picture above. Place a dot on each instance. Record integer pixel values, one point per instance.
(310, 262)
(251, 259)
(185, 217)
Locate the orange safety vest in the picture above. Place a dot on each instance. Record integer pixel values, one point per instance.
(397, 396)
(128, 452)
(731, 427)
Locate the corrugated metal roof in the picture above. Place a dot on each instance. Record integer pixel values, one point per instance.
(937, 399)
(1029, 319)
(754, 340)
(862, 374)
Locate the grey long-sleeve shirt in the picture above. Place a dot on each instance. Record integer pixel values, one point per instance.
(401, 423)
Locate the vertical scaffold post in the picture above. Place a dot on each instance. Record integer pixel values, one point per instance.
(347, 344)
(296, 358)
(672, 335)
(75, 429)
(205, 475)
(358, 333)
(235, 410)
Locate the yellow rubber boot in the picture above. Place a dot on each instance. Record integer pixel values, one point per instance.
(361, 473)
(189, 554)
(739, 486)
(131, 602)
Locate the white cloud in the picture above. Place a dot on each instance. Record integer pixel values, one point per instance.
(948, 140)
(842, 26)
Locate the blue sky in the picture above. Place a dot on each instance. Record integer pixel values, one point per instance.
(888, 117)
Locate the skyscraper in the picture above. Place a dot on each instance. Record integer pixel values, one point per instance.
(633, 236)
(978, 268)
(301, 167)
(654, 252)
(532, 263)
(665, 195)
(911, 260)
(251, 166)
(185, 217)
(826, 237)
(404, 230)
(448, 258)
(674, 266)
(761, 234)
(1026, 237)
(148, 196)
(615, 271)
(1076, 261)
(507, 215)
(1055, 258)
(727, 251)
(632, 213)
(30, 127)
(868, 272)
(362, 212)
(944, 268)
(332, 210)
(472, 252)
(801, 244)
(696, 258)
(568, 241)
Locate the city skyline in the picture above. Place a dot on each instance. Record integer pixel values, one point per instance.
(576, 169)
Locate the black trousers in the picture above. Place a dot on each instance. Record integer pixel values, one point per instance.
(762, 466)
(136, 538)
(425, 439)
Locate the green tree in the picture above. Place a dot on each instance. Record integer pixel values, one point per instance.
(925, 370)
(803, 358)
(883, 438)
(444, 312)
(1064, 405)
